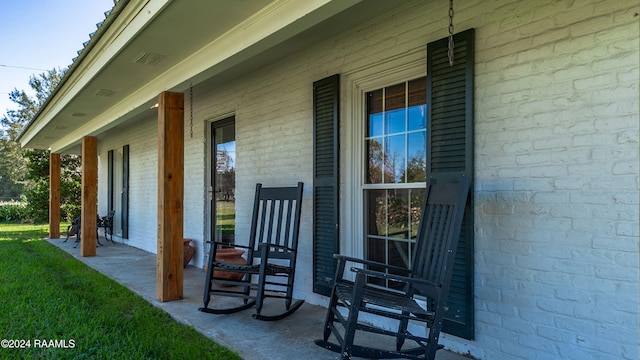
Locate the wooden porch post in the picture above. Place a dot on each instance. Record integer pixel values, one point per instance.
(54, 196)
(89, 205)
(170, 255)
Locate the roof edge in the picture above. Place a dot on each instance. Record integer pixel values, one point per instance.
(94, 38)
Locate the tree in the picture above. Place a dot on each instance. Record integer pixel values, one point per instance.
(26, 171)
(226, 175)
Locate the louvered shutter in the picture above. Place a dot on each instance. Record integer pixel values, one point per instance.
(450, 153)
(125, 192)
(110, 180)
(325, 181)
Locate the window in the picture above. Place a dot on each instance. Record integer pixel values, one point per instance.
(402, 135)
(393, 173)
(395, 161)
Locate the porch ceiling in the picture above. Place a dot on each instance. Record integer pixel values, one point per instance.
(166, 45)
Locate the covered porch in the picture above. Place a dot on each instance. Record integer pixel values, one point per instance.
(290, 338)
(551, 270)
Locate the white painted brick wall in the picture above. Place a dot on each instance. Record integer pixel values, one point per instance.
(556, 128)
(556, 159)
(195, 192)
(550, 169)
(142, 138)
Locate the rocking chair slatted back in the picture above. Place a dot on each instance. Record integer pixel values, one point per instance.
(276, 220)
(437, 223)
(271, 255)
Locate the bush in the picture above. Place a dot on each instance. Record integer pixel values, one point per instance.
(38, 202)
(37, 187)
(13, 211)
(68, 211)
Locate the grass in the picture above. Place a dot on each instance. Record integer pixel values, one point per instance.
(48, 295)
(226, 217)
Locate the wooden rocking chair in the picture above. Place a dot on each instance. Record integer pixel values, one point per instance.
(269, 271)
(427, 282)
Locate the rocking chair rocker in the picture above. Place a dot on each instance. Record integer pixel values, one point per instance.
(428, 278)
(271, 256)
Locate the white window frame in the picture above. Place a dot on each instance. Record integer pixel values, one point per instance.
(358, 83)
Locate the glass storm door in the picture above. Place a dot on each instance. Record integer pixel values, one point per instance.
(223, 177)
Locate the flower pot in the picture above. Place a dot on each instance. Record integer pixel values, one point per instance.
(189, 251)
(229, 255)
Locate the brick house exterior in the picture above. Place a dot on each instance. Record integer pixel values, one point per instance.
(556, 124)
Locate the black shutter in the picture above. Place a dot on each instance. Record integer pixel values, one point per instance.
(450, 153)
(125, 192)
(110, 180)
(326, 95)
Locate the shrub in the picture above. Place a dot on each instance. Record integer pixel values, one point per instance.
(38, 202)
(13, 211)
(68, 211)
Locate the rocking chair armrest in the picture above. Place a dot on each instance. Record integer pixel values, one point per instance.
(417, 282)
(340, 257)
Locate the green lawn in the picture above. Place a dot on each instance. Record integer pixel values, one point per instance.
(47, 296)
(226, 217)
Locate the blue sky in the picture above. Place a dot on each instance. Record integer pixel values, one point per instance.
(42, 34)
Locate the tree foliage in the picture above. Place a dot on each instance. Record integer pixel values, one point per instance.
(25, 172)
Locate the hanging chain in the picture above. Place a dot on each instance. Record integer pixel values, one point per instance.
(191, 111)
(451, 44)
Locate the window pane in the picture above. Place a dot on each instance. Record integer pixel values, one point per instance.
(417, 92)
(399, 254)
(376, 250)
(395, 159)
(395, 109)
(374, 104)
(394, 97)
(374, 113)
(416, 199)
(417, 117)
(376, 212)
(398, 213)
(375, 125)
(395, 121)
(375, 156)
(417, 153)
(416, 100)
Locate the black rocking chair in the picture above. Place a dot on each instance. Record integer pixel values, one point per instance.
(427, 281)
(76, 227)
(271, 256)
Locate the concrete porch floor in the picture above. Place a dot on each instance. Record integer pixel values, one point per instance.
(290, 338)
